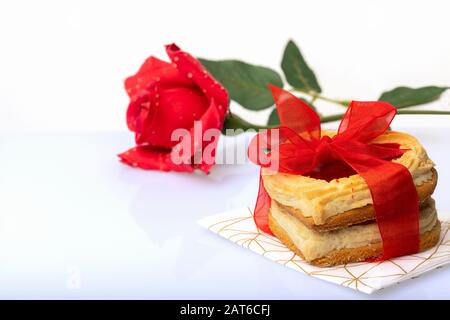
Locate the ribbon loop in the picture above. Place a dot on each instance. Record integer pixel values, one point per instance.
(366, 120)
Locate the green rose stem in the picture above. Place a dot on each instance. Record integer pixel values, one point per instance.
(232, 121)
(315, 95)
(336, 117)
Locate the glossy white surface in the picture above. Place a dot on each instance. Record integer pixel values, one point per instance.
(75, 223)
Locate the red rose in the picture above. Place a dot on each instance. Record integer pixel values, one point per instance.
(168, 96)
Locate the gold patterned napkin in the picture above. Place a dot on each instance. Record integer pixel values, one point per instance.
(238, 226)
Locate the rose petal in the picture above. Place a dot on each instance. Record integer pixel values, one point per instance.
(161, 83)
(193, 69)
(152, 71)
(211, 119)
(138, 110)
(206, 164)
(152, 158)
(173, 108)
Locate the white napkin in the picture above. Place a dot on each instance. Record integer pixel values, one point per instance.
(238, 226)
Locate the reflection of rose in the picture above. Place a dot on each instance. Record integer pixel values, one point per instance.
(168, 96)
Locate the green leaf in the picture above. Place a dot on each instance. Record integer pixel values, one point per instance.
(403, 97)
(274, 119)
(246, 83)
(298, 73)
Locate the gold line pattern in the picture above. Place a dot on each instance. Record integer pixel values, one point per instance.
(238, 227)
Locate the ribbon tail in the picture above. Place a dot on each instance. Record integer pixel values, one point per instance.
(395, 202)
(262, 208)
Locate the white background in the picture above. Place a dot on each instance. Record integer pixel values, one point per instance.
(62, 63)
(75, 223)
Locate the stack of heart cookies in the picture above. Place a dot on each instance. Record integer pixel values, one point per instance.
(331, 222)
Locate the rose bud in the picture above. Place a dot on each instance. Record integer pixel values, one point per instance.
(165, 97)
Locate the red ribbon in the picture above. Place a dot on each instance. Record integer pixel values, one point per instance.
(300, 149)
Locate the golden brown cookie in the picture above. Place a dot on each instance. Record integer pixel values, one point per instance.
(428, 239)
(359, 215)
(319, 200)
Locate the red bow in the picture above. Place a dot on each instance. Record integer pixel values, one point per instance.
(301, 150)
